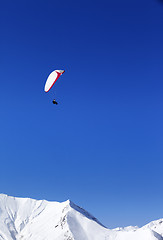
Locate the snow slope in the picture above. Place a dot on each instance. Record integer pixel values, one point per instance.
(29, 219)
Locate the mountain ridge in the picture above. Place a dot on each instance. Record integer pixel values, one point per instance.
(30, 219)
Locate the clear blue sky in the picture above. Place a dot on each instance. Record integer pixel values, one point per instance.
(102, 146)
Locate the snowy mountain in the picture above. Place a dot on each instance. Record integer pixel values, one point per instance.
(29, 219)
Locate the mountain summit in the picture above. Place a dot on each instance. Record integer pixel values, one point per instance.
(29, 219)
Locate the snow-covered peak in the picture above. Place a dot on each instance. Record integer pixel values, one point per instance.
(83, 212)
(29, 219)
(156, 226)
(127, 229)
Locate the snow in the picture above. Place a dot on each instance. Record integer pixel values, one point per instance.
(29, 219)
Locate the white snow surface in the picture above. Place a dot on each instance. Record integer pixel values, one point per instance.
(29, 219)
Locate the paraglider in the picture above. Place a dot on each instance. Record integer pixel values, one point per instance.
(52, 78)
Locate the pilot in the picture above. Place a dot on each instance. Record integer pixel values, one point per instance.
(54, 102)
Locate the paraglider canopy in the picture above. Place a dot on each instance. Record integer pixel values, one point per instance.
(52, 78)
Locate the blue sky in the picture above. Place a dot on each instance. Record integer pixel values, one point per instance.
(101, 146)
